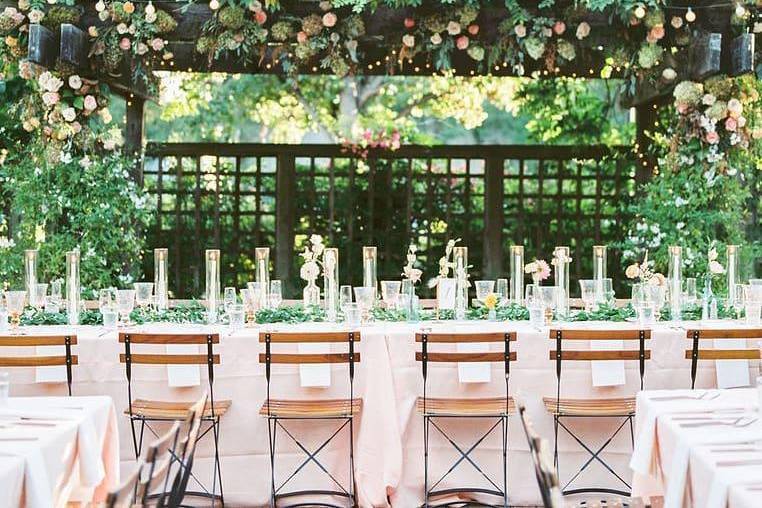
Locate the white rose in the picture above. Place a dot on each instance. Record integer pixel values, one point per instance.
(69, 114)
(36, 15)
(75, 82)
(408, 40)
(453, 28)
(100, 6)
(715, 267)
(436, 39)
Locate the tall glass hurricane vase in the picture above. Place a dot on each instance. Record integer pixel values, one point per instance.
(732, 274)
(72, 287)
(369, 267)
(30, 273)
(212, 293)
(460, 260)
(599, 271)
(262, 260)
(161, 278)
(561, 260)
(675, 281)
(517, 274)
(331, 283)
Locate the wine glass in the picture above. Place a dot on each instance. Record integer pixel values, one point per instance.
(690, 294)
(250, 300)
(365, 297)
(588, 293)
(484, 288)
(502, 289)
(40, 295)
(125, 303)
(276, 294)
(229, 298)
(143, 294)
(390, 292)
(108, 307)
(345, 295)
(56, 295)
(16, 301)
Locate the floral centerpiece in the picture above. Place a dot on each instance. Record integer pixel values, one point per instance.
(644, 273)
(310, 270)
(539, 269)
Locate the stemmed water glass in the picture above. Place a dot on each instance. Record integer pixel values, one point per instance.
(250, 298)
(56, 296)
(229, 298)
(143, 294)
(125, 303)
(40, 294)
(365, 297)
(16, 301)
(276, 294)
(588, 293)
(690, 294)
(390, 292)
(502, 289)
(484, 288)
(107, 306)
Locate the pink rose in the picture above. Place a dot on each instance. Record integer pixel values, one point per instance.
(125, 44)
(731, 124)
(50, 98)
(90, 103)
(409, 22)
(712, 138)
(157, 44)
(461, 42)
(473, 29)
(329, 19)
(559, 27)
(657, 32)
(261, 17)
(301, 37)
(76, 127)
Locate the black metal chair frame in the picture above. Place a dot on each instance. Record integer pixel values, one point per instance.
(274, 421)
(213, 421)
(595, 455)
(500, 420)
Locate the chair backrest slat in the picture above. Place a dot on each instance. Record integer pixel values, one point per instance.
(169, 359)
(67, 359)
(297, 358)
(696, 353)
(307, 337)
(38, 340)
(454, 338)
(168, 338)
(581, 334)
(36, 361)
(465, 357)
(600, 355)
(124, 495)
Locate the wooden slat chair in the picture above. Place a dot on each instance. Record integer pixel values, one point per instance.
(623, 408)
(545, 471)
(696, 353)
(184, 453)
(145, 412)
(160, 456)
(66, 359)
(342, 410)
(124, 495)
(432, 409)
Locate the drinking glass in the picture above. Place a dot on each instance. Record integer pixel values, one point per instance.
(40, 295)
(229, 297)
(5, 388)
(738, 297)
(390, 292)
(365, 297)
(236, 316)
(690, 294)
(646, 314)
(16, 301)
(250, 307)
(608, 297)
(255, 294)
(276, 294)
(352, 313)
(502, 289)
(56, 298)
(588, 293)
(549, 295)
(125, 303)
(108, 307)
(753, 303)
(404, 301)
(533, 302)
(484, 288)
(345, 295)
(143, 294)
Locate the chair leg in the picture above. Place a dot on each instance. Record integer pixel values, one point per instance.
(352, 489)
(134, 438)
(505, 461)
(426, 461)
(271, 422)
(217, 466)
(555, 441)
(140, 440)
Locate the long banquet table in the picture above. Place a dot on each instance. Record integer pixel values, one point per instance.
(388, 451)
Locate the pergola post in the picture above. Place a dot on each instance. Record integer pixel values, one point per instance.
(134, 132)
(285, 214)
(493, 217)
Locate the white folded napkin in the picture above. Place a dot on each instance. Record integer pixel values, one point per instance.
(731, 373)
(607, 372)
(473, 372)
(179, 376)
(314, 375)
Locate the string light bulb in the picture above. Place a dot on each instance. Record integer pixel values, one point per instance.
(740, 10)
(214, 5)
(640, 12)
(690, 16)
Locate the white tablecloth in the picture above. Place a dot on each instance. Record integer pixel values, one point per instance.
(55, 450)
(389, 442)
(696, 447)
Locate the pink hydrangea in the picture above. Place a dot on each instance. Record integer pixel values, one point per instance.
(261, 17)
(731, 124)
(559, 27)
(329, 19)
(461, 42)
(301, 37)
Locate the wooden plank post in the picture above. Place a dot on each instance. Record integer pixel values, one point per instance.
(133, 139)
(285, 216)
(493, 217)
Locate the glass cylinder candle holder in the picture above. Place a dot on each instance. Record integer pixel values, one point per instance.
(561, 260)
(460, 260)
(599, 271)
(30, 273)
(331, 283)
(72, 286)
(369, 265)
(262, 263)
(212, 293)
(675, 280)
(732, 273)
(517, 274)
(161, 278)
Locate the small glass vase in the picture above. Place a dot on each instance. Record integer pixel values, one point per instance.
(709, 306)
(492, 315)
(311, 294)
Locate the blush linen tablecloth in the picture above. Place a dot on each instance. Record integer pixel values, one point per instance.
(389, 442)
(56, 450)
(700, 448)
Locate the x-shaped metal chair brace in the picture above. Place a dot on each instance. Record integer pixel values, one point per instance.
(465, 456)
(311, 457)
(594, 455)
